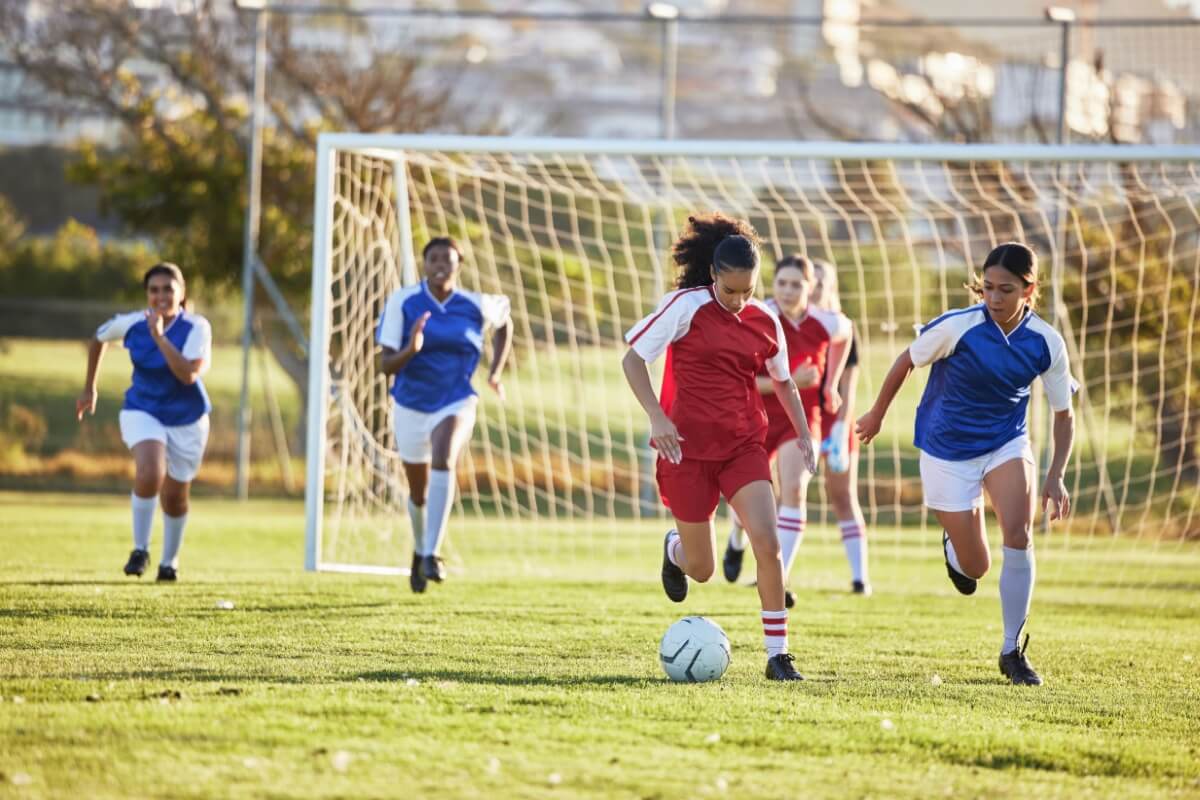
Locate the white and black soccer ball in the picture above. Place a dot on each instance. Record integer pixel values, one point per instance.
(694, 650)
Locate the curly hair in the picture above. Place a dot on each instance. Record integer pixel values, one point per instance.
(442, 241)
(1015, 257)
(713, 241)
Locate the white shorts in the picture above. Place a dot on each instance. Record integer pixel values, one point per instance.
(958, 485)
(413, 429)
(185, 443)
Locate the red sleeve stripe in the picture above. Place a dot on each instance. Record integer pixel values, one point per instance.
(654, 319)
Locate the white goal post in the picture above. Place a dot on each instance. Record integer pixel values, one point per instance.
(577, 233)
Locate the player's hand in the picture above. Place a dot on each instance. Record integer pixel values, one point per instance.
(805, 441)
(665, 438)
(85, 403)
(497, 386)
(833, 400)
(154, 320)
(416, 338)
(1054, 493)
(868, 426)
(806, 376)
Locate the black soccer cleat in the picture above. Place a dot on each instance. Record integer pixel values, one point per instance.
(783, 668)
(416, 581)
(673, 580)
(431, 568)
(961, 582)
(859, 587)
(166, 574)
(137, 563)
(789, 599)
(1016, 667)
(732, 563)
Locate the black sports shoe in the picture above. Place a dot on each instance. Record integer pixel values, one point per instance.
(673, 580)
(416, 580)
(789, 599)
(1016, 667)
(137, 563)
(166, 574)
(732, 562)
(431, 568)
(961, 582)
(783, 668)
(858, 587)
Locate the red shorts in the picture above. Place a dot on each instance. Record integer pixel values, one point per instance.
(780, 430)
(692, 488)
(827, 421)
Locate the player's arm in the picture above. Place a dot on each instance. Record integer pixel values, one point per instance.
(839, 353)
(186, 371)
(1054, 492)
(848, 391)
(663, 432)
(390, 361)
(789, 398)
(501, 347)
(86, 402)
(869, 423)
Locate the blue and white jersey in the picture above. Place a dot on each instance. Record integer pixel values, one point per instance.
(155, 389)
(441, 373)
(978, 391)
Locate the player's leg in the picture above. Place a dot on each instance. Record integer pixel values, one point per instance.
(411, 430)
(692, 493)
(794, 478)
(842, 488)
(1011, 487)
(755, 505)
(735, 548)
(954, 492)
(184, 452)
(447, 440)
(149, 469)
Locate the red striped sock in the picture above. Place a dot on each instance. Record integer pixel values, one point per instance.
(775, 635)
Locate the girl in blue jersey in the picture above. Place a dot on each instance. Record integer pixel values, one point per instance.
(971, 430)
(164, 420)
(431, 336)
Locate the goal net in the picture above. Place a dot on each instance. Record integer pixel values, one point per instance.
(577, 234)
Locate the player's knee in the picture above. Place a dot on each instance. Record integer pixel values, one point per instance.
(1017, 538)
(702, 572)
(975, 566)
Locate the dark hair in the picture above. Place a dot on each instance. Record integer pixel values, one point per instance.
(1015, 257)
(442, 241)
(171, 271)
(796, 261)
(713, 242)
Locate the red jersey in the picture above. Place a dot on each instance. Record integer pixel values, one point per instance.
(709, 387)
(807, 343)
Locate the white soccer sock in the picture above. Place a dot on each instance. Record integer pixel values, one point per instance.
(172, 539)
(439, 499)
(143, 519)
(775, 636)
(791, 534)
(952, 557)
(1016, 592)
(416, 515)
(736, 540)
(674, 544)
(854, 540)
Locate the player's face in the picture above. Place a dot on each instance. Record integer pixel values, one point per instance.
(735, 287)
(792, 290)
(164, 294)
(1005, 294)
(441, 267)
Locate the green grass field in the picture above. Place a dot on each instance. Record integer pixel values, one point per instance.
(539, 679)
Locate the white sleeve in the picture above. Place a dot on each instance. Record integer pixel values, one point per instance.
(496, 309)
(115, 329)
(836, 324)
(390, 330)
(198, 345)
(1057, 380)
(777, 365)
(669, 322)
(937, 339)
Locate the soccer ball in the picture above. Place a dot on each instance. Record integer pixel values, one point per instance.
(695, 650)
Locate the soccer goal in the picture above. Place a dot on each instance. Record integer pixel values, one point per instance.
(577, 234)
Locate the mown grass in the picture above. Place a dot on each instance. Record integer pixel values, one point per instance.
(532, 671)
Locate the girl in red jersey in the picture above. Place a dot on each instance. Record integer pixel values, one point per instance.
(817, 345)
(710, 439)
